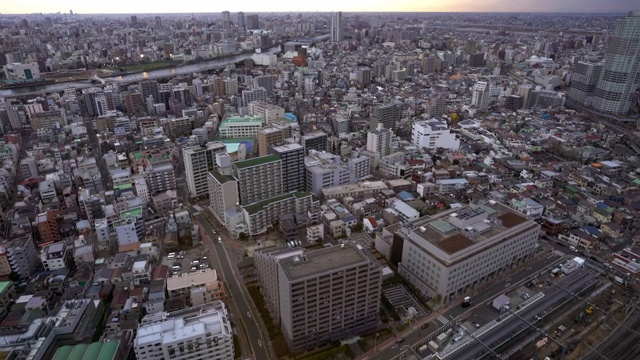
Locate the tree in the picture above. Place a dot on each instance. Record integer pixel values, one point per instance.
(357, 227)
(455, 162)
(243, 236)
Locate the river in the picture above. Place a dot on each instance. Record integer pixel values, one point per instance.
(135, 77)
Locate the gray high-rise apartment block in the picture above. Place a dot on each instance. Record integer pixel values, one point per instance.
(327, 295)
(293, 170)
(198, 161)
(226, 20)
(379, 140)
(388, 115)
(150, 88)
(258, 178)
(620, 76)
(253, 22)
(257, 94)
(337, 30)
(584, 80)
(265, 81)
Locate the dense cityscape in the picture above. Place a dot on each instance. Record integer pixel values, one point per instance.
(320, 186)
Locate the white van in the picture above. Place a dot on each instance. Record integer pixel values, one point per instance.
(171, 256)
(573, 248)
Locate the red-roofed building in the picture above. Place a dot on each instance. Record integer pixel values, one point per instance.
(370, 224)
(161, 272)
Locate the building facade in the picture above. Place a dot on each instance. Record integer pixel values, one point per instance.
(198, 161)
(433, 134)
(258, 178)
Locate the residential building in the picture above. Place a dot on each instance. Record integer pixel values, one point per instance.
(269, 136)
(447, 254)
(240, 127)
(223, 194)
(388, 115)
(22, 72)
(480, 96)
(196, 289)
(325, 170)
(48, 227)
(198, 161)
(255, 94)
(258, 178)
(160, 178)
(293, 170)
(433, 134)
(379, 140)
(327, 295)
(23, 256)
(195, 334)
(315, 141)
(56, 256)
(261, 215)
(266, 268)
(584, 79)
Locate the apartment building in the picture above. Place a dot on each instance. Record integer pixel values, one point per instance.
(195, 334)
(198, 161)
(269, 136)
(258, 178)
(447, 254)
(293, 170)
(47, 227)
(328, 294)
(315, 141)
(23, 256)
(223, 194)
(388, 115)
(240, 127)
(379, 140)
(56, 256)
(266, 267)
(261, 215)
(48, 119)
(268, 112)
(197, 288)
(358, 191)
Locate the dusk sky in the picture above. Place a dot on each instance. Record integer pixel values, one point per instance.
(248, 6)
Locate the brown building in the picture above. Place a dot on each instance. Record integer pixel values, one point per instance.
(48, 227)
(269, 136)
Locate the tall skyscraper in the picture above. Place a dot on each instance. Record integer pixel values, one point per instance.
(158, 22)
(620, 76)
(241, 23)
(337, 33)
(226, 20)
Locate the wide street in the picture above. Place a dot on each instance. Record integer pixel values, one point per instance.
(413, 336)
(245, 319)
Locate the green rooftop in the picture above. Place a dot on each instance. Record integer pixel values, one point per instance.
(240, 119)
(93, 351)
(260, 205)
(4, 285)
(131, 213)
(137, 155)
(256, 161)
(221, 178)
(122, 186)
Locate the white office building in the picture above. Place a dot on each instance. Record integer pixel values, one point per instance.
(195, 334)
(433, 134)
(267, 112)
(379, 140)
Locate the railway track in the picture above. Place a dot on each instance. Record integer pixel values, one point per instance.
(622, 344)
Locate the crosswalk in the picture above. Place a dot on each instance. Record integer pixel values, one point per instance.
(559, 253)
(443, 319)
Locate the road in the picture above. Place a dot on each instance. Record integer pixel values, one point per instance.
(553, 296)
(414, 336)
(239, 302)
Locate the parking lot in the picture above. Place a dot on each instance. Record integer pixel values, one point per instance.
(188, 261)
(399, 296)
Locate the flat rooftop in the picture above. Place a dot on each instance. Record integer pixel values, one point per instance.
(458, 229)
(325, 260)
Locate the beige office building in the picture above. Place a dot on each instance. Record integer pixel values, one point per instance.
(450, 253)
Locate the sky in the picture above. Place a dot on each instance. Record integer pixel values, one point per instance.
(248, 6)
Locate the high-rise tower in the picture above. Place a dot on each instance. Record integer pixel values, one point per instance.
(620, 76)
(337, 33)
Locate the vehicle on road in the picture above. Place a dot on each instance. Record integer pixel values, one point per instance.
(399, 340)
(466, 302)
(193, 269)
(219, 240)
(424, 326)
(573, 248)
(476, 324)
